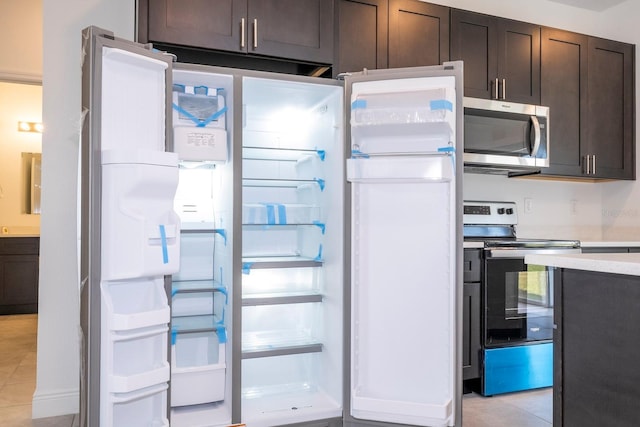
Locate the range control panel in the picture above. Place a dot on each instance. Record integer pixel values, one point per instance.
(490, 213)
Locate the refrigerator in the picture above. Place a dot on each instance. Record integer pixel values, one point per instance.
(268, 249)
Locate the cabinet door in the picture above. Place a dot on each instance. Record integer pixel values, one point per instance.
(208, 24)
(418, 33)
(518, 61)
(474, 41)
(563, 88)
(362, 35)
(18, 284)
(611, 114)
(294, 29)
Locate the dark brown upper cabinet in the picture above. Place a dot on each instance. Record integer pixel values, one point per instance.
(418, 34)
(563, 88)
(300, 30)
(587, 83)
(501, 56)
(361, 35)
(377, 34)
(610, 110)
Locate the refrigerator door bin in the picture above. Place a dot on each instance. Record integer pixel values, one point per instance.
(197, 368)
(139, 359)
(141, 184)
(414, 169)
(198, 303)
(422, 106)
(134, 304)
(140, 408)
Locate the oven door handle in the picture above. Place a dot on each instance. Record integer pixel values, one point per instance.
(537, 136)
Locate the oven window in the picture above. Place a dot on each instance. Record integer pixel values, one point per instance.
(519, 302)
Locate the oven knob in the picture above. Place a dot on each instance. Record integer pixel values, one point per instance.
(509, 211)
(500, 211)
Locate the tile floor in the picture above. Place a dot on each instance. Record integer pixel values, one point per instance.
(18, 380)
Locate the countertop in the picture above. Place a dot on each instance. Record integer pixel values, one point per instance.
(624, 263)
(611, 244)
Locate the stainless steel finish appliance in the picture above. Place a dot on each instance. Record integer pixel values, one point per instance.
(505, 137)
(516, 300)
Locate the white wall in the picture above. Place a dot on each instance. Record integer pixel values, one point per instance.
(18, 102)
(57, 388)
(21, 35)
(561, 209)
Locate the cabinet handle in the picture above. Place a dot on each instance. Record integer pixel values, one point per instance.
(504, 88)
(594, 164)
(255, 33)
(588, 164)
(242, 33)
(496, 88)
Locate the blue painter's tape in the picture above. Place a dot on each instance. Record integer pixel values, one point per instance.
(321, 154)
(319, 257)
(359, 103)
(174, 334)
(320, 182)
(271, 214)
(441, 104)
(282, 214)
(246, 267)
(213, 117)
(222, 232)
(448, 149)
(163, 242)
(222, 334)
(174, 291)
(320, 225)
(201, 90)
(224, 292)
(357, 154)
(197, 121)
(178, 88)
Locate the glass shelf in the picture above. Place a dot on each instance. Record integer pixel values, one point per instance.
(273, 298)
(280, 154)
(249, 263)
(283, 183)
(278, 343)
(197, 286)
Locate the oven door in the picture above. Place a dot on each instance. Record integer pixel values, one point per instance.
(518, 300)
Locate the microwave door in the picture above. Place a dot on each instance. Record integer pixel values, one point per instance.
(535, 138)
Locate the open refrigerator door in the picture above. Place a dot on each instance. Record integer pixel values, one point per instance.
(405, 243)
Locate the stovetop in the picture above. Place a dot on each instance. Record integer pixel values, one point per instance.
(494, 223)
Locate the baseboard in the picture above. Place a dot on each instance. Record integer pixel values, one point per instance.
(55, 403)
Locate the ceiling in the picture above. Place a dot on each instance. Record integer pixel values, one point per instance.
(596, 5)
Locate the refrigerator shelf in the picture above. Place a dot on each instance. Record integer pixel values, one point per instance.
(249, 263)
(280, 154)
(277, 298)
(282, 351)
(189, 286)
(193, 324)
(274, 213)
(282, 183)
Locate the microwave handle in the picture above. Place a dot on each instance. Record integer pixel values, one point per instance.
(536, 139)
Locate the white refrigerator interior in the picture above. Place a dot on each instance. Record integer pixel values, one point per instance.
(139, 241)
(403, 358)
(201, 297)
(292, 225)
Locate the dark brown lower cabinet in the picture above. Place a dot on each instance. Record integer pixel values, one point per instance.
(19, 271)
(596, 345)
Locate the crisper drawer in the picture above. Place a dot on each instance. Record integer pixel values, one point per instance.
(471, 266)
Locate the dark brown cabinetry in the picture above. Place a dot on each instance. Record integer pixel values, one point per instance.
(596, 349)
(501, 56)
(391, 34)
(471, 315)
(300, 30)
(19, 270)
(588, 85)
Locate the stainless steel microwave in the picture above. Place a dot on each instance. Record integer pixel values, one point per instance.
(505, 137)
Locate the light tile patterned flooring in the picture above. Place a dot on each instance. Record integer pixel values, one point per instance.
(18, 374)
(18, 380)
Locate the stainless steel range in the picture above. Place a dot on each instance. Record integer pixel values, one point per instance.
(516, 300)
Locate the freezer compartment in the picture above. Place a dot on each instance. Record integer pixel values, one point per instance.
(143, 408)
(198, 368)
(418, 169)
(139, 226)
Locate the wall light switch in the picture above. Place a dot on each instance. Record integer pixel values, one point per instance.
(528, 205)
